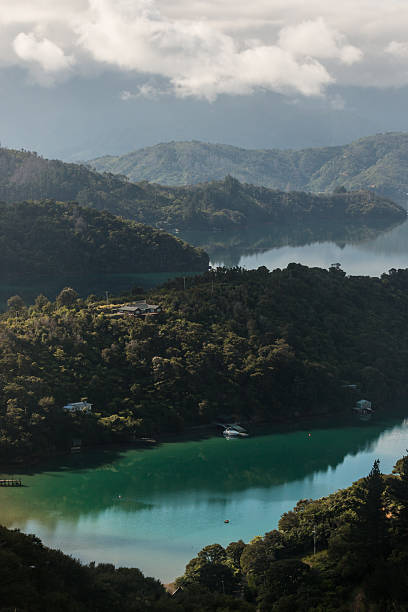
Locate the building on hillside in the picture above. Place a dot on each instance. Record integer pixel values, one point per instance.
(85, 407)
(363, 407)
(140, 308)
(76, 445)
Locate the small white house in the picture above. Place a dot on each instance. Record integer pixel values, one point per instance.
(140, 308)
(78, 407)
(363, 407)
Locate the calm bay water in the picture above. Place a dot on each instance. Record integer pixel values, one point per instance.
(359, 250)
(156, 508)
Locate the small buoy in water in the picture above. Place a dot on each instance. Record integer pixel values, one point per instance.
(226, 521)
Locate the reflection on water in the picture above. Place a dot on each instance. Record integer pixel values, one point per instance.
(156, 508)
(359, 249)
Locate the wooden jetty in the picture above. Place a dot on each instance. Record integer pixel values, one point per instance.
(13, 482)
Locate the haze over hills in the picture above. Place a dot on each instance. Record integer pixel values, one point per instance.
(377, 162)
(219, 204)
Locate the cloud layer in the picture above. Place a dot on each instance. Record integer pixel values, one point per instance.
(207, 48)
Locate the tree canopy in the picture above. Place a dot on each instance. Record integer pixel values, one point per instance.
(51, 238)
(256, 345)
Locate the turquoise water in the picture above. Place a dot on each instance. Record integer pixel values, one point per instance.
(156, 508)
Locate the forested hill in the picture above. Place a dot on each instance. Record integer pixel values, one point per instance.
(223, 204)
(255, 344)
(50, 238)
(376, 162)
(229, 203)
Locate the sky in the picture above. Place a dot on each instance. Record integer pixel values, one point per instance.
(81, 78)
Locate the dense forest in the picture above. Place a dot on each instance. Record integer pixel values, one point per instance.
(223, 204)
(344, 552)
(250, 345)
(231, 204)
(375, 162)
(50, 238)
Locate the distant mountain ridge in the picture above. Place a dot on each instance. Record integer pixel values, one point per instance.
(376, 162)
(222, 204)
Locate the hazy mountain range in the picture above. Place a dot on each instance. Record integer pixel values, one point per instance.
(214, 204)
(377, 162)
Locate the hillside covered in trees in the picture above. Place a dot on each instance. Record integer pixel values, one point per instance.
(222, 204)
(376, 162)
(51, 238)
(344, 552)
(230, 204)
(255, 345)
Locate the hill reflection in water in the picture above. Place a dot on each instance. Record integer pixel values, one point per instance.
(155, 508)
(360, 249)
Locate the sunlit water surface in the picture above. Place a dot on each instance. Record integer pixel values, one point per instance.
(359, 250)
(156, 508)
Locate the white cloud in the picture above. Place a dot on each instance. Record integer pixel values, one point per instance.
(47, 54)
(398, 49)
(317, 39)
(205, 48)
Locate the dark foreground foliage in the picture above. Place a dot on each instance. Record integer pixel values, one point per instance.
(254, 345)
(34, 578)
(347, 551)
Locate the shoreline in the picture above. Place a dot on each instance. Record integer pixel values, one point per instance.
(345, 419)
(191, 434)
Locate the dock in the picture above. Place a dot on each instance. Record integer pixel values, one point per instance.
(11, 482)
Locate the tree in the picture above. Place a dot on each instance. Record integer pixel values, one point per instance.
(214, 553)
(398, 493)
(367, 536)
(67, 297)
(41, 302)
(210, 569)
(282, 578)
(15, 303)
(234, 551)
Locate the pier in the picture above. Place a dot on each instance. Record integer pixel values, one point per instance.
(14, 482)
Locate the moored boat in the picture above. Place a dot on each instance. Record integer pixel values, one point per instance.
(234, 432)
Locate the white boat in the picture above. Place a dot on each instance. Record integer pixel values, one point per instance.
(230, 432)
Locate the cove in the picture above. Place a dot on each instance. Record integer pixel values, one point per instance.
(156, 508)
(360, 250)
